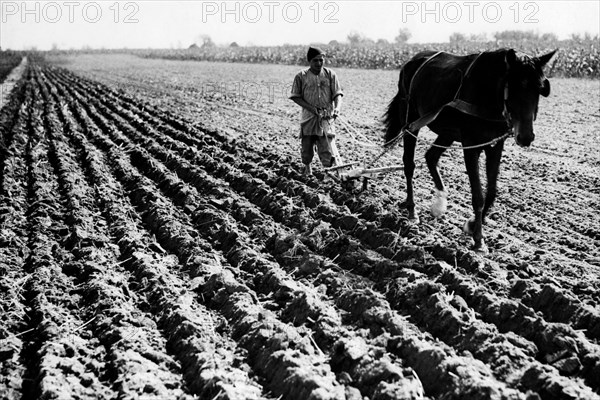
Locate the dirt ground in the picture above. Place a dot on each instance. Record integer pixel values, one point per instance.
(158, 241)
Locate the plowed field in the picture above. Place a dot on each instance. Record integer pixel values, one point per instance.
(158, 242)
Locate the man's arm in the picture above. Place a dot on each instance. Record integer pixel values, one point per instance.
(304, 104)
(336, 93)
(337, 105)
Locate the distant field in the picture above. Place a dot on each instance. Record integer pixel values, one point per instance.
(158, 241)
(575, 58)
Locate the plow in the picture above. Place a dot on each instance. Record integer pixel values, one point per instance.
(350, 172)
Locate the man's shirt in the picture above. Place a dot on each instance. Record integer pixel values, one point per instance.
(319, 91)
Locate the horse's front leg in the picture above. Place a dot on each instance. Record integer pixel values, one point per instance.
(474, 226)
(493, 154)
(440, 203)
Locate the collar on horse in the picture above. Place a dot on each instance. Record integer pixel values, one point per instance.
(456, 103)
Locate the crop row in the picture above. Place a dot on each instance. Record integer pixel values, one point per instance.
(575, 59)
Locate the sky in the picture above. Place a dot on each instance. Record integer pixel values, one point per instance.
(76, 24)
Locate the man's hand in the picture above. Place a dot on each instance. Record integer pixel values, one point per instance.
(335, 113)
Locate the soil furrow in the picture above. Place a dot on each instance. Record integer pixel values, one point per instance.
(10, 114)
(125, 331)
(496, 351)
(273, 281)
(241, 311)
(501, 349)
(558, 305)
(13, 246)
(270, 343)
(209, 369)
(147, 166)
(377, 213)
(496, 355)
(290, 268)
(558, 344)
(60, 339)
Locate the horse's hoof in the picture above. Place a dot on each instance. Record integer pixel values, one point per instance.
(481, 248)
(440, 204)
(414, 219)
(469, 226)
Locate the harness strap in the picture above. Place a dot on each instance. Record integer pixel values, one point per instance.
(463, 77)
(456, 103)
(410, 86)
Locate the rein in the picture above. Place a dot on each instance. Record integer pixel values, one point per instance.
(491, 142)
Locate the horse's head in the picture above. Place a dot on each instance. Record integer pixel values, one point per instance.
(525, 83)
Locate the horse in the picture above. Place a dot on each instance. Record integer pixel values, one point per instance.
(478, 100)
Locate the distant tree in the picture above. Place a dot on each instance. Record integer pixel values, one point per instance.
(382, 42)
(549, 37)
(358, 39)
(403, 36)
(355, 38)
(515, 36)
(457, 37)
(333, 43)
(234, 44)
(205, 41)
(588, 37)
(367, 42)
(478, 37)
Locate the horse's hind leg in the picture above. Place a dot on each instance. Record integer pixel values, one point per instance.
(408, 158)
(438, 208)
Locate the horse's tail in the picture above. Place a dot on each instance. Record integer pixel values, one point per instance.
(395, 115)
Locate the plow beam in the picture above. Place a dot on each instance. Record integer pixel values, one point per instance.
(338, 167)
(369, 172)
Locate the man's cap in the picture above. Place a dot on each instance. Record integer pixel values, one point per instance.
(313, 52)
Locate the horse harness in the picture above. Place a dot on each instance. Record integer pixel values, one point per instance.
(456, 103)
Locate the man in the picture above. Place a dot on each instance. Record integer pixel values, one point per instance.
(318, 91)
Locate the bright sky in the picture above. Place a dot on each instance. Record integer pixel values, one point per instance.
(72, 24)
